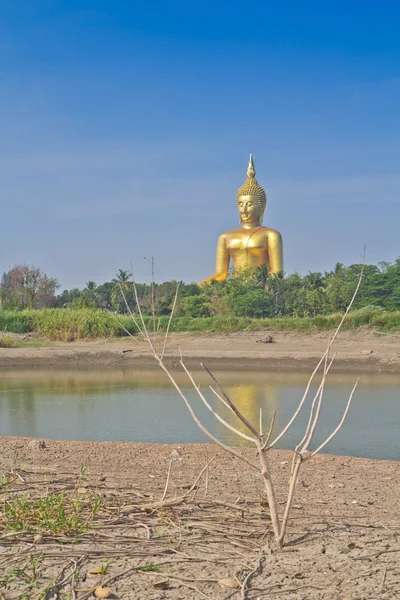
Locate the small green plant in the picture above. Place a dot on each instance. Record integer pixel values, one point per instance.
(28, 574)
(149, 566)
(5, 480)
(55, 513)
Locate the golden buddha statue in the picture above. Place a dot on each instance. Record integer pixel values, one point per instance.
(250, 245)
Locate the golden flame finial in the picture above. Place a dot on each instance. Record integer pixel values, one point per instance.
(251, 170)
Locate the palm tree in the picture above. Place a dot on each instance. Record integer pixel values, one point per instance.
(120, 290)
(315, 281)
(122, 280)
(261, 275)
(276, 287)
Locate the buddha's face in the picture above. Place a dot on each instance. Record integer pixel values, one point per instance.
(249, 210)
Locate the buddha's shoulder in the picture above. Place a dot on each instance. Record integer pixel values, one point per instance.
(236, 231)
(272, 233)
(242, 231)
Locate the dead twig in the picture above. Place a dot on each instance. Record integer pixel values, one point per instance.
(166, 503)
(167, 482)
(250, 575)
(383, 579)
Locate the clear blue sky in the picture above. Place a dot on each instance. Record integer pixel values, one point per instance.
(125, 130)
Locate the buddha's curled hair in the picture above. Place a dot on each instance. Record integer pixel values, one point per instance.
(251, 187)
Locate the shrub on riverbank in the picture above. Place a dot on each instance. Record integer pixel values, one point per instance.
(68, 325)
(6, 341)
(17, 321)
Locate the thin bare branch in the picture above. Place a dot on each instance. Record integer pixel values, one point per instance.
(294, 416)
(230, 403)
(129, 308)
(199, 424)
(219, 397)
(300, 458)
(297, 411)
(310, 418)
(210, 408)
(315, 420)
(292, 487)
(200, 475)
(250, 575)
(269, 488)
(153, 305)
(167, 482)
(131, 315)
(271, 427)
(299, 407)
(126, 330)
(346, 410)
(172, 501)
(169, 322)
(207, 477)
(382, 588)
(140, 313)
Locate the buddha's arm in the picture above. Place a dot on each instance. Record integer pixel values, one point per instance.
(275, 252)
(222, 262)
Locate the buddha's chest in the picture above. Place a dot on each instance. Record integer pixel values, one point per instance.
(246, 241)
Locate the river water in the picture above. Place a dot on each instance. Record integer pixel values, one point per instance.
(141, 406)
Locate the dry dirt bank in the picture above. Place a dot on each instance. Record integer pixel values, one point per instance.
(343, 535)
(357, 351)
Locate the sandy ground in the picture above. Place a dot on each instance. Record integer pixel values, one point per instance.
(362, 350)
(343, 539)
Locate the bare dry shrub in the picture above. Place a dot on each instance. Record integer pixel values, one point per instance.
(262, 440)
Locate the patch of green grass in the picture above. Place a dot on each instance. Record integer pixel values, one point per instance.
(385, 320)
(56, 513)
(150, 566)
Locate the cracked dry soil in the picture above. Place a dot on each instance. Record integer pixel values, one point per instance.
(342, 543)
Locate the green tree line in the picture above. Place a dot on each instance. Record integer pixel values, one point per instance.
(254, 293)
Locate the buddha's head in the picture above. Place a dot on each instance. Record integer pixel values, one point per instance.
(251, 198)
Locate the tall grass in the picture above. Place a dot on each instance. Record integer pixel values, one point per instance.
(17, 321)
(67, 325)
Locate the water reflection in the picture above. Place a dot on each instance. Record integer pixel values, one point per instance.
(249, 399)
(127, 404)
